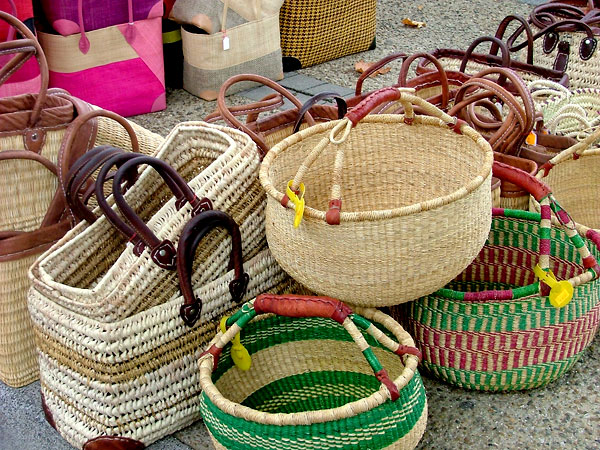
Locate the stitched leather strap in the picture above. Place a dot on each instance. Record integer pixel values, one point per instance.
(302, 306)
(501, 30)
(191, 236)
(163, 252)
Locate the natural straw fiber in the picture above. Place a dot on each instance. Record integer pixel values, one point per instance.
(315, 31)
(94, 272)
(494, 327)
(574, 177)
(136, 377)
(416, 204)
(296, 396)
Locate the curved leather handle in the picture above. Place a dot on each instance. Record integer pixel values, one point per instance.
(501, 30)
(163, 252)
(564, 25)
(505, 53)
(543, 15)
(443, 77)
(79, 180)
(191, 236)
(24, 49)
(377, 98)
(373, 68)
(524, 180)
(302, 306)
(342, 107)
(268, 103)
(230, 118)
(57, 205)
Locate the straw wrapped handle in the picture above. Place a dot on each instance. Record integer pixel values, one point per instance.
(326, 307)
(572, 152)
(162, 252)
(194, 231)
(342, 129)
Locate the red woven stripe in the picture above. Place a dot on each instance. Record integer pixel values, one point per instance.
(544, 246)
(497, 211)
(497, 295)
(589, 262)
(546, 212)
(546, 344)
(563, 216)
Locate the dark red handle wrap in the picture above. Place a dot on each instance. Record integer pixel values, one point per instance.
(162, 252)
(377, 98)
(535, 187)
(191, 236)
(302, 306)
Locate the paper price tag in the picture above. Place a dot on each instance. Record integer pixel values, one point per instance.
(225, 42)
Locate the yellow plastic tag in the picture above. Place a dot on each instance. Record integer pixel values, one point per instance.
(298, 202)
(240, 356)
(531, 138)
(561, 292)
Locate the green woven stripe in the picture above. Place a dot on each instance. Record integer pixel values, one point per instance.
(372, 359)
(312, 391)
(374, 429)
(544, 233)
(262, 334)
(520, 214)
(528, 377)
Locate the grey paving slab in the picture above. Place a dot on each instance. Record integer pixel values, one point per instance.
(328, 87)
(301, 83)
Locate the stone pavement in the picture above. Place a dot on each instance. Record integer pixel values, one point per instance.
(565, 414)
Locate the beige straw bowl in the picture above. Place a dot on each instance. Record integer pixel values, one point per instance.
(416, 208)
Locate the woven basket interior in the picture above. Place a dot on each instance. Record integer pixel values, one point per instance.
(511, 252)
(385, 166)
(292, 369)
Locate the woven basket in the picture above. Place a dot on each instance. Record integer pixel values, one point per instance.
(315, 31)
(385, 167)
(494, 327)
(573, 113)
(296, 395)
(95, 272)
(573, 176)
(136, 378)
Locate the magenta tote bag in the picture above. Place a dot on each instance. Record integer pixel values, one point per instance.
(63, 15)
(26, 79)
(119, 68)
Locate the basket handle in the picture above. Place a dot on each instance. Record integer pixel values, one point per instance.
(162, 252)
(194, 231)
(308, 306)
(441, 74)
(545, 14)
(23, 49)
(501, 30)
(542, 193)
(575, 152)
(373, 68)
(80, 187)
(228, 114)
(505, 53)
(342, 129)
(342, 107)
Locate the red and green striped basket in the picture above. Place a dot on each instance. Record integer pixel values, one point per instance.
(309, 386)
(494, 327)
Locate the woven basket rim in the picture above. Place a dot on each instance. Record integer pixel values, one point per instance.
(348, 410)
(391, 119)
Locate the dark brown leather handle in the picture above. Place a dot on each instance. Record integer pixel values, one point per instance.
(501, 30)
(24, 49)
(524, 180)
(505, 53)
(163, 252)
(342, 107)
(441, 73)
(563, 25)
(302, 306)
(543, 15)
(191, 236)
(230, 118)
(373, 68)
(79, 180)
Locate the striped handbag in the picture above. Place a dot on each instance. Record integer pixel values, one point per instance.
(497, 327)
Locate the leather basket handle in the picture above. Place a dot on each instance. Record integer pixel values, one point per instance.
(524, 27)
(191, 236)
(163, 252)
(505, 53)
(342, 107)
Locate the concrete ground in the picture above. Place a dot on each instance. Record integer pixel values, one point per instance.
(565, 414)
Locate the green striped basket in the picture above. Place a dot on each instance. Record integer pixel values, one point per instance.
(494, 327)
(309, 386)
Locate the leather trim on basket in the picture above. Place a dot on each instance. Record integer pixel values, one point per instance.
(113, 443)
(47, 413)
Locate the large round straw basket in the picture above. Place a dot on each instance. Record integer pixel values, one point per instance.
(416, 202)
(296, 396)
(498, 326)
(574, 177)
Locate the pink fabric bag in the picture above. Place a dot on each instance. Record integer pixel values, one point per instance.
(27, 78)
(119, 68)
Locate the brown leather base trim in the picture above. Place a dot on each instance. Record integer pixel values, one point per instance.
(47, 412)
(113, 443)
